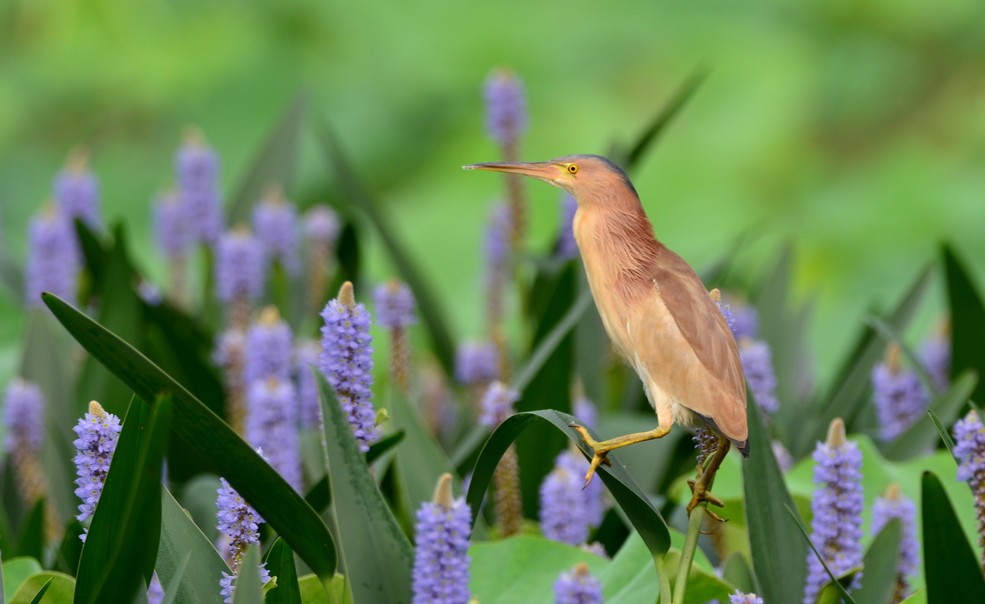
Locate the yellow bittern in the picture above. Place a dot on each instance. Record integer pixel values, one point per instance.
(657, 312)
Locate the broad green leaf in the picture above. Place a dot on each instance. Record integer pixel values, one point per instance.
(198, 500)
(881, 563)
(15, 572)
(276, 162)
(918, 597)
(199, 430)
(70, 549)
(921, 436)
(247, 588)
(967, 320)
(280, 563)
(38, 596)
(359, 198)
(376, 555)
(314, 592)
(30, 542)
(60, 590)
(950, 567)
(779, 554)
(634, 503)
(532, 564)
(183, 545)
(122, 541)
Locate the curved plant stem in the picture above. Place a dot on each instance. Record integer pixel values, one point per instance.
(664, 596)
(687, 554)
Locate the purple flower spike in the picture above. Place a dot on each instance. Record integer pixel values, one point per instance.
(347, 362)
(97, 433)
(23, 415)
(746, 320)
(741, 598)
(269, 346)
(306, 356)
(321, 224)
(577, 587)
(757, 364)
(53, 258)
(936, 356)
(506, 107)
(585, 411)
(568, 509)
(497, 404)
(441, 559)
(171, 228)
(197, 168)
(567, 247)
(837, 508)
(272, 425)
(476, 363)
(155, 592)
(895, 505)
(705, 442)
(239, 527)
(275, 222)
(899, 396)
(499, 229)
(240, 267)
(228, 583)
(77, 190)
(725, 309)
(395, 305)
(969, 450)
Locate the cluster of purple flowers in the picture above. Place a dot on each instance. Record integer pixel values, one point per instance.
(306, 356)
(275, 222)
(757, 359)
(197, 173)
(77, 190)
(569, 508)
(577, 587)
(441, 559)
(395, 305)
(506, 107)
(23, 416)
(239, 527)
(895, 505)
(497, 404)
(476, 363)
(566, 247)
(969, 450)
(53, 257)
(98, 433)
(900, 398)
(240, 267)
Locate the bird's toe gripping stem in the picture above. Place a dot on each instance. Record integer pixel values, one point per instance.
(599, 452)
(700, 493)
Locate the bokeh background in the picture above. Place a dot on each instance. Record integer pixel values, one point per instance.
(852, 130)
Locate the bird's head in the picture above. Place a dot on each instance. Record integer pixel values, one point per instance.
(586, 177)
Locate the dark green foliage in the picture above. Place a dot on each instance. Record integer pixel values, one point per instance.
(880, 564)
(280, 563)
(967, 320)
(188, 565)
(950, 567)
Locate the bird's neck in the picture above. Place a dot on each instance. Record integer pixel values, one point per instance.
(618, 247)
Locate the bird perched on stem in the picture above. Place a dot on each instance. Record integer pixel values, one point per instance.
(656, 311)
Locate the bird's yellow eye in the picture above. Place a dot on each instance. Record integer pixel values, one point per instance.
(572, 168)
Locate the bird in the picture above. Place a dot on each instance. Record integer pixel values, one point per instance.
(655, 309)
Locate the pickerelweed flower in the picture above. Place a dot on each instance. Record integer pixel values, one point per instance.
(497, 243)
(568, 508)
(272, 425)
(725, 309)
(441, 559)
(229, 354)
(197, 171)
(705, 442)
(899, 396)
(171, 228)
(745, 318)
(23, 415)
(98, 433)
(53, 258)
(321, 231)
(741, 598)
(395, 308)
(275, 222)
(584, 409)
(306, 356)
(577, 587)
(506, 107)
(155, 592)
(321, 224)
(240, 273)
(969, 450)
(895, 505)
(497, 404)
(239, 527)
(347, 362)
(936, 356)
(269, 348)
(757, 364)
(476, 363)
(836, 526)
(227, 583)
(566, 247)
(77, 190)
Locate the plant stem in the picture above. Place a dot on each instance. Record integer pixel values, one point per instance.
(664, 596)
(687, 554)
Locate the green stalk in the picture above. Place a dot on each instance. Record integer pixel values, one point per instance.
(664, 580)
(687, 555)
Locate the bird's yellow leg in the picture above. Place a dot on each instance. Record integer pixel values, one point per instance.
(701, 488)
(600, 449)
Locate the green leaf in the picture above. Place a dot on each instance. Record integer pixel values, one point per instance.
(41, 592)
(200, 431)
(949, 564)
(70, 549)
(31, 541)
(634, 503)
(276, 162)
(921, 436)
(427, 303)
(188, 565)
(314, 592)
(918, 597)
(247, 587)
(881, 565)
(122, 542)
(376, 554)
(736, 571)
(779, 554)
(60, 589)
(280, 563)
(15, 572)
(967, 320)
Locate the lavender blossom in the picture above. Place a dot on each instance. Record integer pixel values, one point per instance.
(228, 582)
(240, 267)
(171, 228)
(275, 222)
(936, 357)
(476, 363)
(269, 346)
(585, 411)
(741, 598)
(506, 107)
(497, 239)
(23, 415)
(347, 362)
(321, 224)
(441, 560)
(239, 527)
(705, 442)
(969, 450)
(77, 190)
(53, 258)
(895, 505)
(568, 508)
(837, 510)
(306, 356)
(577, 587)
(272, 425)
(98, 433)
(197, 170)
(395, 305)
(321, 230)
(783, 457)
(497, 404)
(155, 592)
(900, 398)
(757, 364)
(746, 320)
(725, 309)
(566, 247)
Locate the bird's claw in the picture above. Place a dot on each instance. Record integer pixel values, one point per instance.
(599, 454)
(700, 493)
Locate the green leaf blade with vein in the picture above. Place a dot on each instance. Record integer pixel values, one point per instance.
(967, 320)
(949, 563)
(921, 436)
(280, 563)
(204, 434)
(188, 565)
(881, 563)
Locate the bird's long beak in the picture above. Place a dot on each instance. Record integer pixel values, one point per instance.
(542, 170)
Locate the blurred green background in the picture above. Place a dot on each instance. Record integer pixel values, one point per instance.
(853, 129)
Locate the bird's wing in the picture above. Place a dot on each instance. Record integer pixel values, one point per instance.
(703, 327)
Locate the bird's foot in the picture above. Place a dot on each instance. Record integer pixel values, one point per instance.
(699, 494)
(599, 452)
